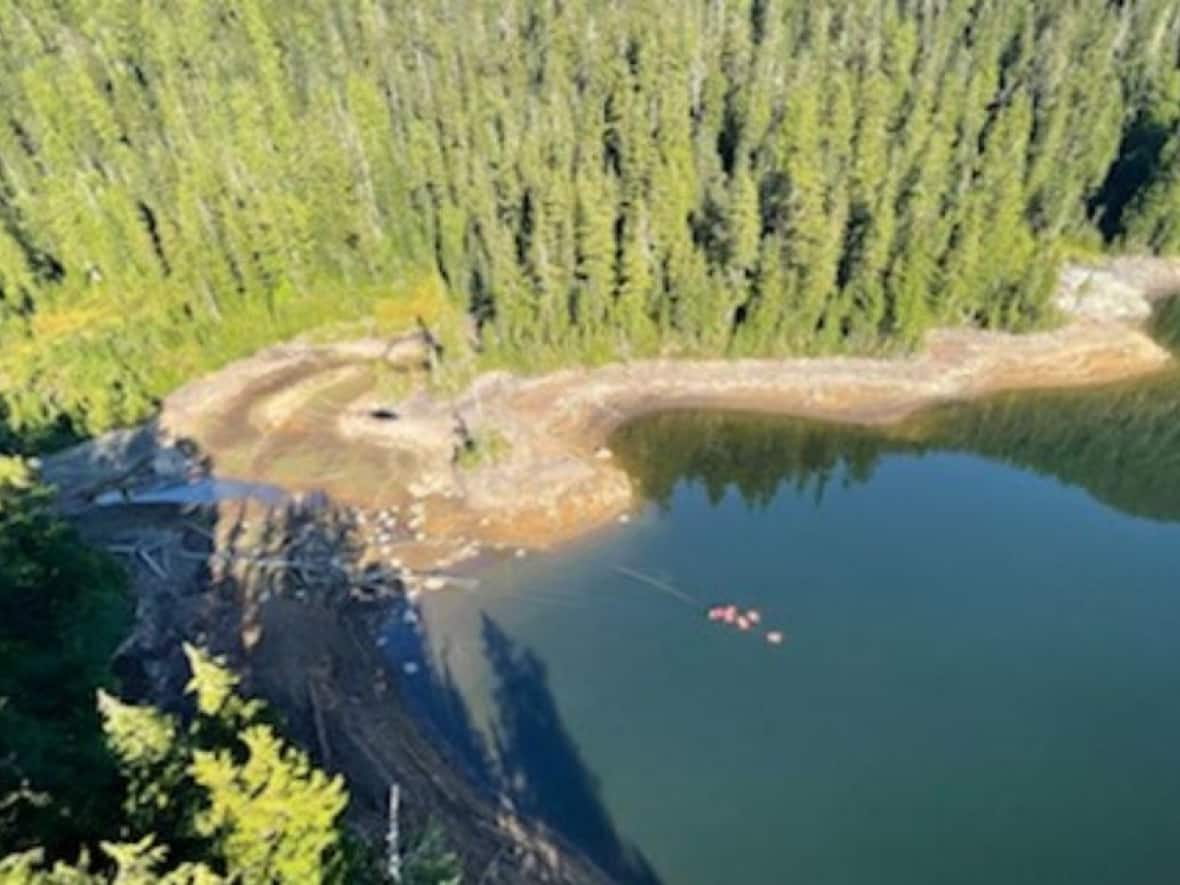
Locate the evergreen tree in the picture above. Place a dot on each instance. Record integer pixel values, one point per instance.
(188, 184)
(224, 793)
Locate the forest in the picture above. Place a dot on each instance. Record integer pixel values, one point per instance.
(578, 180)
(538, 182)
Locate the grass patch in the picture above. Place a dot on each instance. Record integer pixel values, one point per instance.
(485, 447)
(1165, 323)
(392, 384)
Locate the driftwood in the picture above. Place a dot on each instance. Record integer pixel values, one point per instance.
(89, 492)
(200, 530)
(393, 835)
(451, 580)
(321, 729)
(146, 559)
(264, 561)
(308, 573)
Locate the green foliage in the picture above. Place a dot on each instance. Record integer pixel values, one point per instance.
(430, 862)
(228, 784)
(586, 180)
(144, 740)
(272, 818)
(221, 798)
(214, 686)
(63, 611)
(486, 446)
(1165, 324)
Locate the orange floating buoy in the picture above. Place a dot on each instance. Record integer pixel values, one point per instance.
(774, 637)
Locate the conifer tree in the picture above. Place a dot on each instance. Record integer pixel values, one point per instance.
(226, 177)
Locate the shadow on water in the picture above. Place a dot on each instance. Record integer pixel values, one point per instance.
(430, 690)
(541, 766)
(529, 762)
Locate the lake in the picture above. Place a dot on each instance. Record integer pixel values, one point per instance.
(979, 680)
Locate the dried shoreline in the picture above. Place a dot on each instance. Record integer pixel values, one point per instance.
(305, 418)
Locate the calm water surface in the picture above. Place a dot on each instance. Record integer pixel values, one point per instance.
(980, 681)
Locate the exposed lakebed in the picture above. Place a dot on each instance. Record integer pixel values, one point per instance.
(979, 676)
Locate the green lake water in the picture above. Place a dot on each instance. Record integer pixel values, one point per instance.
(980, 680)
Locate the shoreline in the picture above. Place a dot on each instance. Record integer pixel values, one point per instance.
(308, 418)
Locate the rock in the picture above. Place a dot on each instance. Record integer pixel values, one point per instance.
(602, 453)
(625, 518)
(410, 668)
(250, 635)
(1101, 293)
(521, 553)
(169, 463)
(434, 582)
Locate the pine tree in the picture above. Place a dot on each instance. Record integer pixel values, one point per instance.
(272, 817)
(227, 178)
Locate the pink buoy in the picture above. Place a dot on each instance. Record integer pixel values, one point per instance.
(729, 615)
(774, 637)
(754, 616)
(716, 613)
(743, 622)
